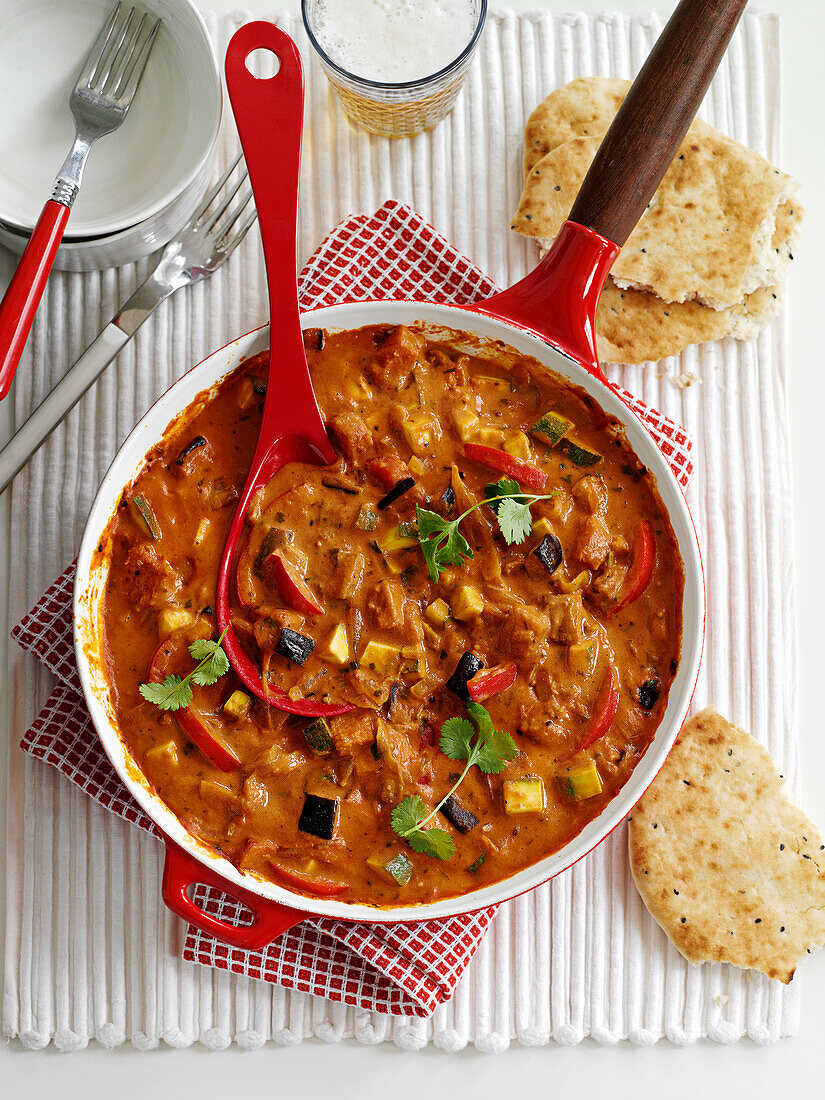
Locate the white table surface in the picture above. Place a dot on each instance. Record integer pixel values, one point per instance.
(348, 1069)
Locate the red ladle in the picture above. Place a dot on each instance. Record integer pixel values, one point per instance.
(557, 300)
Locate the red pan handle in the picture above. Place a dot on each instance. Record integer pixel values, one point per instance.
(270, 919)
(559, 298)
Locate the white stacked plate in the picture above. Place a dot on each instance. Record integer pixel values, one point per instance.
(144, 181)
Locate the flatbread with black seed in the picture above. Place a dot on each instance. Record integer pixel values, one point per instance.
(725, 863)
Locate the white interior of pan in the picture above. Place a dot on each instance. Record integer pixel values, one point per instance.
(90, 588)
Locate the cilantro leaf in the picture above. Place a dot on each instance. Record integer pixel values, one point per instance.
(441, 541)
(436, 843)
(172, 694)
(514, 519)
(213, 661)
(408, 815)
(494, 747)
(503, 489)
(456, 735)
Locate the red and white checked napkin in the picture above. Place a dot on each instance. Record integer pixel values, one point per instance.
(405, 969)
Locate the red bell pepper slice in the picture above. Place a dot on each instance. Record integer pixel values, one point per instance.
(194, 724)
(604, 711)
(641, 566)
(527, 475)
(294, 590)
(490, 681)
(305, 708)
(321, 887)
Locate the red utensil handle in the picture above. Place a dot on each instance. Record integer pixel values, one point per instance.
(269, 116)
(26, 288)
(270, 919)
(558, 299)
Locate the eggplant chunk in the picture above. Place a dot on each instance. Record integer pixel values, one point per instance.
(318, 816)
(465, 670)
(455, 813)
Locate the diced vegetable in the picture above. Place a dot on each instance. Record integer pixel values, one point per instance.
(206, 737)
(396, 540)
(310, 883)
(165, 755)
(448, 497)
(381, 658)
(319, 738)
(337, 647)
(417, 467)
(527, 475)
(457, 815)
(580, 454)
(489, 437)
(524, 796)
(549, 553)
(466, 602)
(649, 694)
(294, 590)
(237, 705)
(144, 517)
(314, 339)
(398, 490)
(476, 865)
(582, 781)
(191, 446)
(294, 646)
(604, 710)
(340, 485)
(318, 817)
(465, 670)
(542, 527)
(389, 470)
(437, 613)
(421, 431)
(171, 619)
(465, 423)
(551, 428)
(581, 580)
(641, 566)
(224, 798)
(516, 443)
(396, 867)
(582, 658)
(202, 531)
(491, 681)
(367, 519)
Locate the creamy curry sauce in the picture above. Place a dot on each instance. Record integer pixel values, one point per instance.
(584, 617)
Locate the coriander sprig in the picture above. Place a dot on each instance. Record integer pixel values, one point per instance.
(480, 744)
(176, 691)
(442, 543)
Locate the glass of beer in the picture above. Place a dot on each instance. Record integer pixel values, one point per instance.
(397, 65)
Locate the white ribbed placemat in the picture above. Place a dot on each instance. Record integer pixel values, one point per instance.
(91, 951)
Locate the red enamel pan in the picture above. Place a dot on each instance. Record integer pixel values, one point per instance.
(549, 315)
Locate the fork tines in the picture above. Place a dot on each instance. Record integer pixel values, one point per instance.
(118, 57)
(221, 210)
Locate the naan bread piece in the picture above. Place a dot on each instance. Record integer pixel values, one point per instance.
(634, 326)
(725, 863)
(706, 234)
(583, 108)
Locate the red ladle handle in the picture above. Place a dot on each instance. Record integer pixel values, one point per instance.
(26, 288)
(559, 298)
(269, 116)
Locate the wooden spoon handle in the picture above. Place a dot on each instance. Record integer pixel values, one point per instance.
(654, 118)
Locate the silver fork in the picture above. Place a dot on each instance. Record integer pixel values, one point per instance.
(209, 239)
(99, 102)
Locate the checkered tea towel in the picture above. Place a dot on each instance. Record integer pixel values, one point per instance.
(405, 968)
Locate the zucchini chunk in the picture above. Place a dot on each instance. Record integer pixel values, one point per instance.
(476, 865)
(367, 519)
(524, 796)
(455, 813)
(144, 517)
(318, 817)
(549, 553)
(580, 454)
(397, 868)
(191, 446)
(294, 646)
(237, 705)
(582, 782)
(551, 428)
(465, 670)
(399, 538)
(317, 735)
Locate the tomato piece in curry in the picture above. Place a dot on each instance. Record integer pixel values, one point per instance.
(570, 638)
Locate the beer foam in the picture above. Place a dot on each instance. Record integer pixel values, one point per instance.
(393, 41)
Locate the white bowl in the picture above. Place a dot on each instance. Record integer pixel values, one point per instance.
(91, 582)
(142, 168)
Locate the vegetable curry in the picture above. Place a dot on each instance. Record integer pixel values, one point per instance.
(480, 601)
